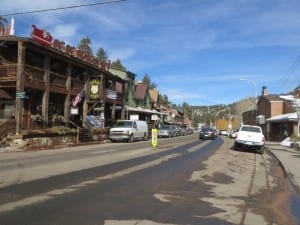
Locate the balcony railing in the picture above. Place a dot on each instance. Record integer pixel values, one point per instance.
(8, 72)
(58, 80)
(34, 75)
(77, 85)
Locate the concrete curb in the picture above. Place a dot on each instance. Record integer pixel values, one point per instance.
(287, 173)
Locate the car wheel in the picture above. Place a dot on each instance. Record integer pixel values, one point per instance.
(261, 150)
(236, 146)
(131, 138)
(145, 137)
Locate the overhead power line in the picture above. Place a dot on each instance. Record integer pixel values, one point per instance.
(289, 73)
(63, 8)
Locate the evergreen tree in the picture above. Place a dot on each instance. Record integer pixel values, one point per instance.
(187, 110)
(164, 100)
(118, 65)
(85, 45)
(147, 80)
(102, 54)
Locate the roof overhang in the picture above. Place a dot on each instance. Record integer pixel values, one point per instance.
(141, 110)
(289, 117)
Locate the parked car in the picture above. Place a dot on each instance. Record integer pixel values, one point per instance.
(129, 130)
(177, 130)
(189, 131)
(207, 133)
(233, 133)
(183, 130)
(167, 131)
(250, 138)
(223, 132)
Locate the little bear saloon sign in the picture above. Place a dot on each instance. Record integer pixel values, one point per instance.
(94, 90)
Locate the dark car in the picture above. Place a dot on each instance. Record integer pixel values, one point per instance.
(167, 131)
(207, 133)
(189, 131)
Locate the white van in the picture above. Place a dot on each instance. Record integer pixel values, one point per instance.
(129, 130)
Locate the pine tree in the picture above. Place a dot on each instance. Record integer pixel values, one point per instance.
(85, 45)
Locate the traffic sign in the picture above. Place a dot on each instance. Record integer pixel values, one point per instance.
(21, 95)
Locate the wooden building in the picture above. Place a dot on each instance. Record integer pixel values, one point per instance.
(44, 83)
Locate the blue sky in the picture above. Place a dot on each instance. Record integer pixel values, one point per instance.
(196, 51)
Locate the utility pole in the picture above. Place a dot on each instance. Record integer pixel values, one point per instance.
(297, 106)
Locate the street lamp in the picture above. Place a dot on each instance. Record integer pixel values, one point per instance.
(255, 89)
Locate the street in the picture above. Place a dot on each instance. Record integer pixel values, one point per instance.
(184, 181)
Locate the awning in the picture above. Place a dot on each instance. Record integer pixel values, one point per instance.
(289, 117)
(141, 110)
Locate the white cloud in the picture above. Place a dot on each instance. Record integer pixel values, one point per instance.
(65, 31)
(122, 54)
(179, 95)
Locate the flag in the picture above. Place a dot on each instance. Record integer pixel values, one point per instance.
(78, 98)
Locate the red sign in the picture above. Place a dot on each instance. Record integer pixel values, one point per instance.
(42, 36)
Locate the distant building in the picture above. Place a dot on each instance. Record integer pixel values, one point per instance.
(276, 116)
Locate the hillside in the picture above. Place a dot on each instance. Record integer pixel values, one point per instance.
(219, 115)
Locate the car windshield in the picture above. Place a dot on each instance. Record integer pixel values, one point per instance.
(123, 124)
(207, 130)
(164, 127)
(251, 129)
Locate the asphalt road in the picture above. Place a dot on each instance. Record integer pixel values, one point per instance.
(184, 181)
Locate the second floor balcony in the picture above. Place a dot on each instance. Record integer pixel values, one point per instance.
(35, 77)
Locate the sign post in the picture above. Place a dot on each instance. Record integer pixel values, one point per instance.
(154, 138)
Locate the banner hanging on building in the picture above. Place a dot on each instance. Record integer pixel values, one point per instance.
(78, 98)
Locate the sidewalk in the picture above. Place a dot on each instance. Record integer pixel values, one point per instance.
(289, 158)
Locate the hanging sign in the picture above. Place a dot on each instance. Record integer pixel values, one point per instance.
(95, 89)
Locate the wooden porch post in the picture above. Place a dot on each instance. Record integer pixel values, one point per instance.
(68, 96)
(123, 102)
(113, 113)
(85, 108)
(45, 100)
(20, 86)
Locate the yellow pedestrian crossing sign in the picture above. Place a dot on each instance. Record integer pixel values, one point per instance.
(154, 138)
